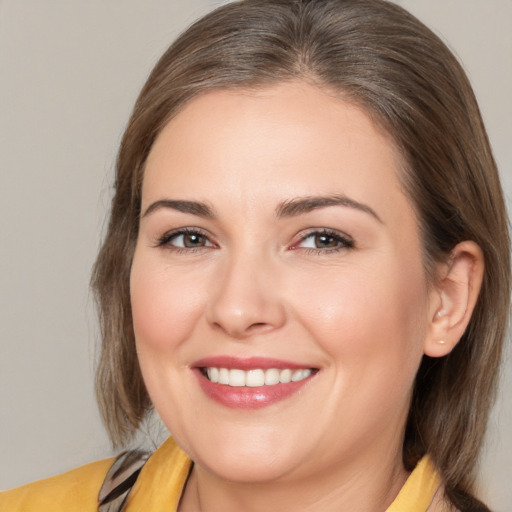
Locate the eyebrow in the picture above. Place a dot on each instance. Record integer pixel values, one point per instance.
(192, 207)
(289, 208)
(301, 205)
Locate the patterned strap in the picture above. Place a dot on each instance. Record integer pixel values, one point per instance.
(120, 479)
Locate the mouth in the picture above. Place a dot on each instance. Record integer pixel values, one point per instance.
(251, 383)
(236, 377)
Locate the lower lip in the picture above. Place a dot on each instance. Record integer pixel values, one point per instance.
(246, 397)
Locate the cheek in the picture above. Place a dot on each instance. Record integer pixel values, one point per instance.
(165, 310)
(372, 314)
(165, 307)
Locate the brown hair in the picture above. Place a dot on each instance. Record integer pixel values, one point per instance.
(377, 55)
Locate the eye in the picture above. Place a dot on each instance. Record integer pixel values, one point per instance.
(185, 239)
(324, 240)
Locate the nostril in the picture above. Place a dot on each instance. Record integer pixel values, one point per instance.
(257, 326)
(240, 309)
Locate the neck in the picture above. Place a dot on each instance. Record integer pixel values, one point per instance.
(365, 486)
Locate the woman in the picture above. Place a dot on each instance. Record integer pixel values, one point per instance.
(306, 271)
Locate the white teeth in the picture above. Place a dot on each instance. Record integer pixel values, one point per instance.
(223, 376)
(213, 374)
(254, 378)
(285, 376)
(300, 374)
(236, 378)
(257, 377)
(272, 376)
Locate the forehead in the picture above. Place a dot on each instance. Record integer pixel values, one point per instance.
(281, 141)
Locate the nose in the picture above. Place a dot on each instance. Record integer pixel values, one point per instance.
(246, 299)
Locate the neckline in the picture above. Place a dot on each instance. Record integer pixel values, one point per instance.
(162, 481)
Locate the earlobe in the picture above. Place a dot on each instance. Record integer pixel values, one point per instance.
(454, 297)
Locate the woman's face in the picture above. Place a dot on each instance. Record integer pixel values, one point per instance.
(276, 243)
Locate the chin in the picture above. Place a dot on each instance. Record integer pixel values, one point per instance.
(240, 469)
(257, 458)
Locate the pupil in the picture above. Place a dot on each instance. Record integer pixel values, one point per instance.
(192, 240)
(325, 241)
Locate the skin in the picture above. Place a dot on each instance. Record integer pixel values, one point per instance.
(257, 284)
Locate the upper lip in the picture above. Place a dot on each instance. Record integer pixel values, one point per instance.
(248, 363)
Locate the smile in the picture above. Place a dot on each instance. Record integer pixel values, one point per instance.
(251, 383)
(258, 377)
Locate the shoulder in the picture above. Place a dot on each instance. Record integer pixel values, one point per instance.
(76, 490)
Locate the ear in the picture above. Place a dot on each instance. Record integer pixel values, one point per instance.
(453, 298)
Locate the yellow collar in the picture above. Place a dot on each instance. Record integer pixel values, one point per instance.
(162, 480)
(418, 491)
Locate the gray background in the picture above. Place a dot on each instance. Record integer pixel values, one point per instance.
(69, 73)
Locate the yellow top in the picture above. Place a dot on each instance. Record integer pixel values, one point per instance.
(160, 484)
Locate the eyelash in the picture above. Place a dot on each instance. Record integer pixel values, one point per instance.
(166, 239)
(343, 241)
